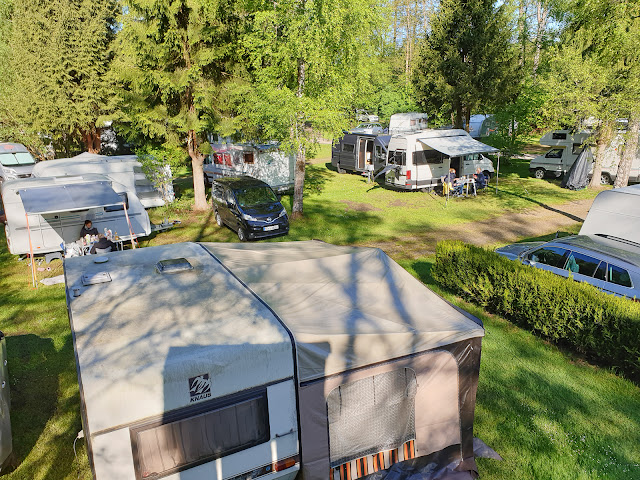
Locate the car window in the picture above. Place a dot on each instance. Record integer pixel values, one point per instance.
(619, 276)
(552, 256)
(582, 264)
(601, 271)
(554, 153)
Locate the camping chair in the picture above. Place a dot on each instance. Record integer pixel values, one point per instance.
(102, 250)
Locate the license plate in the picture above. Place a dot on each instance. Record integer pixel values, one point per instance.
(270, 227)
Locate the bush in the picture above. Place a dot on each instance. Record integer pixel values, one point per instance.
(600, 326)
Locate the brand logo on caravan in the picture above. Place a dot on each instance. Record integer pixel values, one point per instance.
(199, 387)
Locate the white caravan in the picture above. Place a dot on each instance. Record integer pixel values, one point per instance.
(419, 160)
(407, 122)
(123, 169)
(49, 212)
(265, 162)
(565, 148)
(184, 373)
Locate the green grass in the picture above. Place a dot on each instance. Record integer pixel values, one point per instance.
(549, 414)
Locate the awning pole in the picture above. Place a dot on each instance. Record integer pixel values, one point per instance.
(133, 237)
(498, 172)
(33, 265)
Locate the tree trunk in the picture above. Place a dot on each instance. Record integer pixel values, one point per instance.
(604, 139)
(92, 139)
(630, 152)
(197, 160)
(522, 30)
(458, 113)
(542, 13)
(298, 186)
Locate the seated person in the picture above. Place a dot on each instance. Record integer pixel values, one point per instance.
(481, 179)
(87, 229)
(102, 243)
(458, 186)
(448, 181)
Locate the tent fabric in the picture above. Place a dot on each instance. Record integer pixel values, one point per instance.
(347, 307)
(457, 145)
(577, 176)
(68, 198)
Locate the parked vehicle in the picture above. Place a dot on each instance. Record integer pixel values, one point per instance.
(15, 161)
(264, 162)
(407, 122)
(481, 125)
(249, 207)
(45, 213)
(369, 127)
(360, 152)
(6, 440)
(609, 264)
(615, 213)
(567, 145)
(123, 169)
(225, 361)
(420, 160)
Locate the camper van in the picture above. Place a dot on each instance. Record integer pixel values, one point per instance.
(360, 152)
(419, 160)
(15, 161)
(190, 359)
(407, 122)
(565, 148)
(183, 372)
(265, 162)
(123, 169)
(45, 213)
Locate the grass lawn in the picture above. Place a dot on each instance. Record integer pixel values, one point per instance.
(548, 413)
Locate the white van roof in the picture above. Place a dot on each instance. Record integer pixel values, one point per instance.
(347, 307)
(140, 335)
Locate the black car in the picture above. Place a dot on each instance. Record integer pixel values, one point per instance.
(249, 207)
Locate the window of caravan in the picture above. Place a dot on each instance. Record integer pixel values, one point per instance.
(577, 148)
(554, 153)
(248, 157)
(115, 208)
(371, 415)
(424, 157)
(558, 136)
(193, 436)
(348, 147)
(398, 157)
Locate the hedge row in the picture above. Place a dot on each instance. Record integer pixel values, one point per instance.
(600, 326)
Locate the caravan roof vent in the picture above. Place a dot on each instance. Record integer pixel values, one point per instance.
(173, 265)
(95, 278)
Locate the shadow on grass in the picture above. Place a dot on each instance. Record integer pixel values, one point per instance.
(315, 179)
(543, 205)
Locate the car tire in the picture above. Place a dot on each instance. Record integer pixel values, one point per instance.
(605, 179)
(218, 219)
(539, 173)
(242, 235)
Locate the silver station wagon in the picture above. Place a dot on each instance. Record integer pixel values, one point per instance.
(608, 263)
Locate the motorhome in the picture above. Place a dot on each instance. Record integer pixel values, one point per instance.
(183, 372)
(407, 122)
(349, 367)
(42, 214)
(123, 169)
(265, 162)
(360, 152)
(15, 161)
(420, 160)
(565, 148)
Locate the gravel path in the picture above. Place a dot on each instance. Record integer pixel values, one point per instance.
(507, 228)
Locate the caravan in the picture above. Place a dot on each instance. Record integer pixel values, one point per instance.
(123, 169)
(419, 160)
(46, 213)
(264, 162)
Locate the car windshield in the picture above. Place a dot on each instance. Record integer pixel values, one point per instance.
(16, 159)
(254, 196)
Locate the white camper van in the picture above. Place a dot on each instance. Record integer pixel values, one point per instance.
(265, 162)
(15, 161)
(419, 160)
(565, 148)
(123, 169)
(183, 372)
(360, 152)
(49, 212)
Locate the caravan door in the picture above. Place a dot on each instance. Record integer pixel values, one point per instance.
(365, 153)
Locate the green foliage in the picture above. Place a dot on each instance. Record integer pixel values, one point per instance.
(601, 326)
(467, 61)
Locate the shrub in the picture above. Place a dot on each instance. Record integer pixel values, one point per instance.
(600, 326)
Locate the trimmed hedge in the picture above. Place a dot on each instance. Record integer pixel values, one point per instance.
(600, 326)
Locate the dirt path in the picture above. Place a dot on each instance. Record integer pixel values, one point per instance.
(506, 228)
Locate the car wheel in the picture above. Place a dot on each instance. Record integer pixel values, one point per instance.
(218, 219)
(242, 236)
(539, 173)
(605, 179)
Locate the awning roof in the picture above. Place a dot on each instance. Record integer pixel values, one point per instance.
(458, 145)
(68, 198)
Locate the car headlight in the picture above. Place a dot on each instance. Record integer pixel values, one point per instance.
(283, 213)
(10, 173)
(249, 217)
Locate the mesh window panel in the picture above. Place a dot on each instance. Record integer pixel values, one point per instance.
(371, 415)
(170, 447)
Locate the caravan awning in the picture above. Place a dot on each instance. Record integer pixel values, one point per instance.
(68, 197)
(457, 146)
